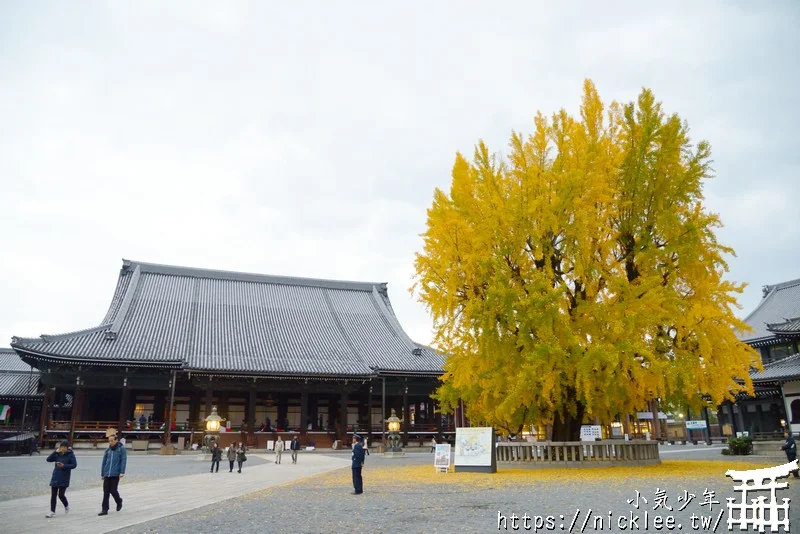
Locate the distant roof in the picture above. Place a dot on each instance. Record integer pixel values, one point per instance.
(780, 303)
(16, 380)
(216, 321)
(784, 369)
(790, 327)
(10, 361)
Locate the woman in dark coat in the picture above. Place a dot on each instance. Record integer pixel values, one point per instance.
(59, 482)
(241, 455)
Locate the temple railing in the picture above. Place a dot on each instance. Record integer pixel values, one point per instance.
(578, 453)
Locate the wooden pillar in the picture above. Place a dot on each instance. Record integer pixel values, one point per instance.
(223, 408)
(124, 406)
(406, 417)
(209, 399)
(168, 418)
(47, 403)
(343, 416)
(303, 412)
(77, 406)
(251, 412)
(194, 408)
(369, 413)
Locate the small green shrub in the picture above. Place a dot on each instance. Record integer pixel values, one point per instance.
(740, 446)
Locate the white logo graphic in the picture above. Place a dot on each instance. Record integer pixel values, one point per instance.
(760, 513)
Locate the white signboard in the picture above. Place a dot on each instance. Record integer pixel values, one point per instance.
(695, 425)
(441, 457)
(591, 432)
(474, 446)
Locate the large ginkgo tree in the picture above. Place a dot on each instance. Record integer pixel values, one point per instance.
(579, 277)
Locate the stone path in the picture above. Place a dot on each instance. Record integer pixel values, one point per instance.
(154, 499)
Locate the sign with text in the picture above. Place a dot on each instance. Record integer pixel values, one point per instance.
(591, 432)
(695, 425)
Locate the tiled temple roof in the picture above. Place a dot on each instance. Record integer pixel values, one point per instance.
(783, 369)
(218, 321)
(16, 379)
(780, 303)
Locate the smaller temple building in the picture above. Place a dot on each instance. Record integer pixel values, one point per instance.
(776, 335)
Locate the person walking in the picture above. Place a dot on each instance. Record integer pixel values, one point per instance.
(59, 481)
(216, 455)
(241, 455)
(358, 464)
(295, 446)
(433, 444)
(232, 454)
(112, 469)
(279, 446)
(790, 448)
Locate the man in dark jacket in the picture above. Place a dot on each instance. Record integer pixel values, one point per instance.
(358, 463)
(115, 460)
(294, 446)
(790, 447)
(59, 482)
(216, 455)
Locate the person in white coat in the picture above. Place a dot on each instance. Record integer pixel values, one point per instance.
(278, 450)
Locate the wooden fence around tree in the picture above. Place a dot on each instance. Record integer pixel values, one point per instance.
(577, 453)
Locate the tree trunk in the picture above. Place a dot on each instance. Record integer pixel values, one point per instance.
(566, 427)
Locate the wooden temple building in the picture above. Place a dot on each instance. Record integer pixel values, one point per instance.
(776, 335)
(273, 353)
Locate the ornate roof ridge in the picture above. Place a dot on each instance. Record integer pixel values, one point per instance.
(239, 276)
(786, 320)
(782, 285)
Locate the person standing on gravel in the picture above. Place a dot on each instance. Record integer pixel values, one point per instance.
(59, 482)
(358, 463)
(241, 455)
(232, 454)
(295, 446)
(216, 455)
(279, 446)
(112, 469)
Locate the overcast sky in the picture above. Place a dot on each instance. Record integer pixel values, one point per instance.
(306, 138)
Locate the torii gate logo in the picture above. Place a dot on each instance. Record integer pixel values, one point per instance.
(760, 513)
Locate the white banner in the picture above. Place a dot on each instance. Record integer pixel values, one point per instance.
(695, 425)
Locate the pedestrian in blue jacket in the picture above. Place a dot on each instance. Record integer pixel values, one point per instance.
(59, 482)
(358, 463)
(113, 468)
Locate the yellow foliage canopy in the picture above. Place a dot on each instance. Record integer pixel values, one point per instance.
(580, 277)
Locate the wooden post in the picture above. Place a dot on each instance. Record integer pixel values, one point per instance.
(124, 405)
(168, 422)
(406, 417)
(47, 402)
(303, 412)
(251, 416)
(343, 417)
(77, 405)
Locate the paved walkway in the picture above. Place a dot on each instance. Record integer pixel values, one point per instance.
(154, 499)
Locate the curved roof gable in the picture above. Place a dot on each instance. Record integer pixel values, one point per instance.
(780, 303)
(218, 321)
